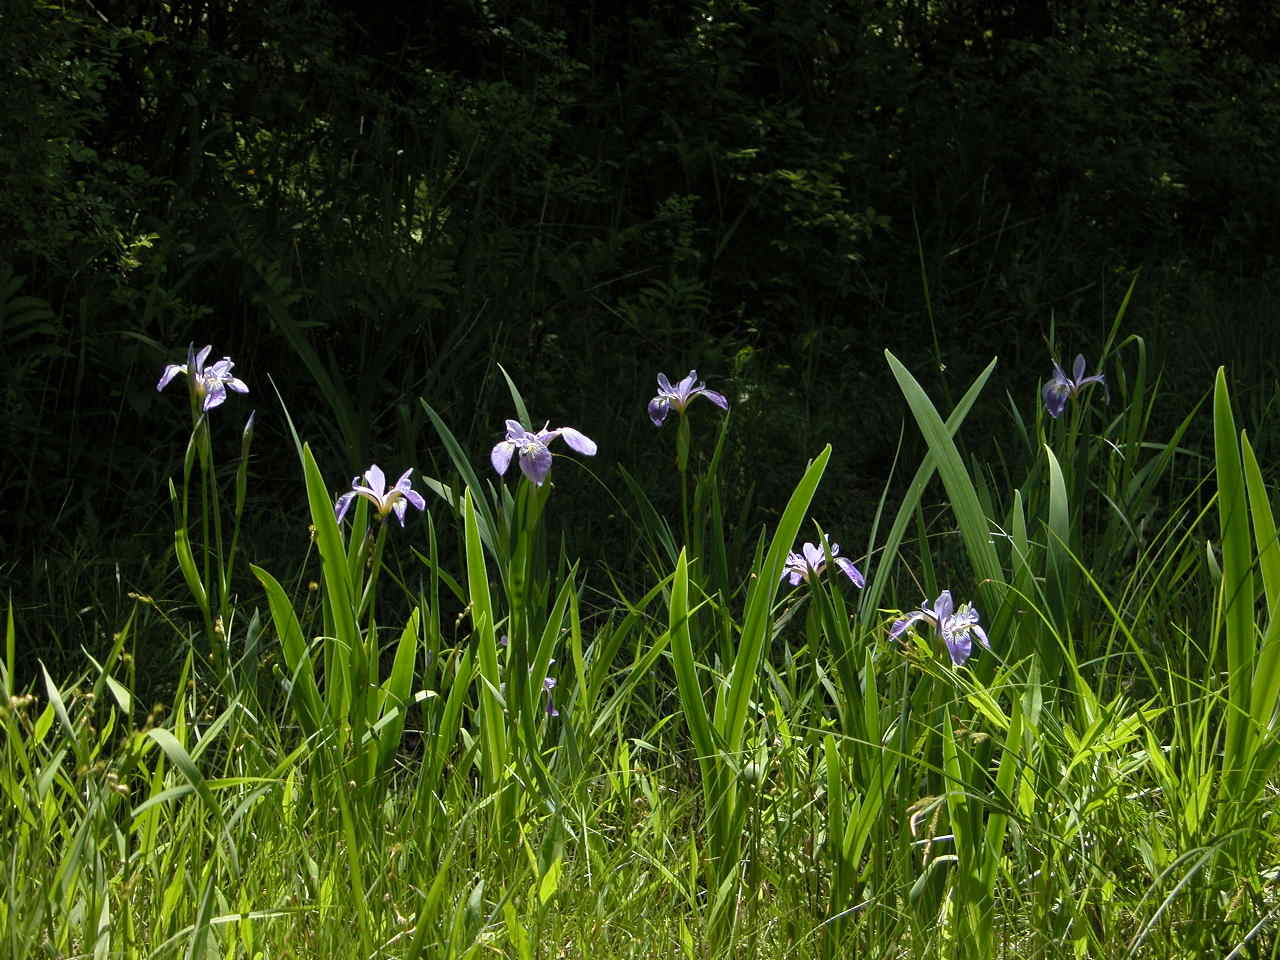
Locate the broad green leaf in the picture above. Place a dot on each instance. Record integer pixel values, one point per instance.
(304, 695)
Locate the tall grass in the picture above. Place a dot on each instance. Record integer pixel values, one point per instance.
(490, 750)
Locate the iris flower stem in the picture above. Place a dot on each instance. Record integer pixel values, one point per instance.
(200, 590)
(522, 577)
(682, 465)
(375, 570)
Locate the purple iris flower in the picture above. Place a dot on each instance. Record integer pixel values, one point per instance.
(535, 457)
(1062, 388)
(396, 500)
(209, 383)
(812, 559)
(952, 624)
(549, 684)
(679, 397)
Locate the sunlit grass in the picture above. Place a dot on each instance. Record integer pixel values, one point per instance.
(725, 765)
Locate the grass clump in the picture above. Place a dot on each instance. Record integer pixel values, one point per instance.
(455, 741)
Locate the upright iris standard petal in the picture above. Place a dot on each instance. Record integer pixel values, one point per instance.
(1062, 388)
(812, 560)
(397, 500)
(679, 397)
(533, 449)
(953, 625)
(209, 383)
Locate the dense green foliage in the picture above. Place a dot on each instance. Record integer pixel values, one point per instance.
(737, 756)
(383, 212)
(375, 205)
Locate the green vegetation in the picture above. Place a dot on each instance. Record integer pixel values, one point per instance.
(644, 707)
(534, 763)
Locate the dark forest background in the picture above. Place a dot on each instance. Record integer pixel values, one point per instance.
(373, 203)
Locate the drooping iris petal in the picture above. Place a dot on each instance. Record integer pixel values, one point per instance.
(900, 626)
(850, 571)
(344, 504)
(659, 407)
(407, 491)
(1055, 398)
(170, 371)
(501, 456)
(958, 647)
(717, 398)
(578, 441)
(535, 462)
(214, 394)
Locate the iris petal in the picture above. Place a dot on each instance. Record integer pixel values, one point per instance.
(170, 371)
(501, 456)
(535, 461)
(717, 398)
(343, 505)
(850, 571)
(578, 441)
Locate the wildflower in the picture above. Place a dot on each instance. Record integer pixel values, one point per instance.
(679, 397)
(209, 383)
(1062, 388)
(812, 559)
(549, 684)
(535, 457)
(953, 625)
(396, 500)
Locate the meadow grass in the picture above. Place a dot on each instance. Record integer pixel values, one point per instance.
(456, 742)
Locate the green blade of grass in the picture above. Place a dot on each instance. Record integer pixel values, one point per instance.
(731, 720)
(879, 577)
(396, 693)
(492, 719)
(304, 695)
(345, 688)
(1237, 583)
(974, 527)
